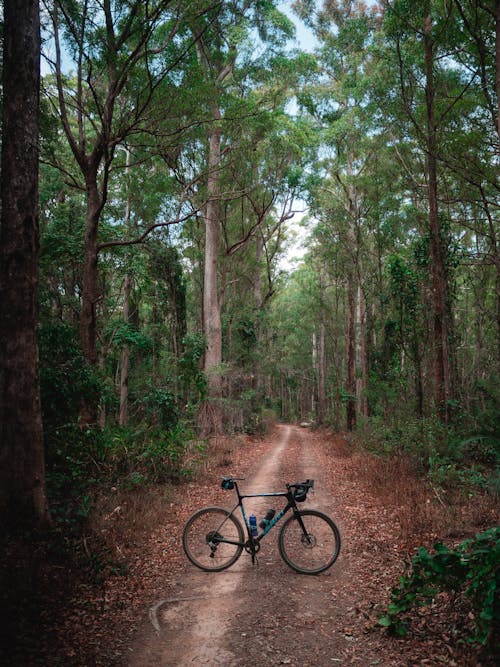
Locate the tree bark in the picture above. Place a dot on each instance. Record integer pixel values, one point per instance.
(211, 305)
(123, 419)
(321, 373)
(351, 357)
(23, 500)
(90, 289)
(127, 288)
(497, 64)
(437, 269)
(351, 305)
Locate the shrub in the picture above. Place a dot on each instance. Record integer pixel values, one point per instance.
(472, 568)
(65, 377)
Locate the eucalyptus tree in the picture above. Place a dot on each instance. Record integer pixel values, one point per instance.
(241, 91)
(479, 54)
(341, 106)
(447, 89)
(121, 55)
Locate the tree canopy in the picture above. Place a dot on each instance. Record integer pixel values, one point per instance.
(178, 143)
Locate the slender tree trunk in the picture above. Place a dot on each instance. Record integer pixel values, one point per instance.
(497, 65)
(351, 356)
(90, 292)
(23, 500)
(127, 289)
(351, 301)
(361, 360)
(321, 373)
(315, 369)
(437, 270)
(257, 296)
(123, 419)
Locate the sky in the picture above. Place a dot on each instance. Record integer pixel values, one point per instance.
(305, 37)
(299, 233)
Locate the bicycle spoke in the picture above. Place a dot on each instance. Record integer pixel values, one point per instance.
(204, 535)
(314, 551)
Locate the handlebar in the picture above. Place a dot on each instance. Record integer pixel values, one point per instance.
(300, 489)
(308, 484)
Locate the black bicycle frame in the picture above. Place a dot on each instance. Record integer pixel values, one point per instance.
(291, 505)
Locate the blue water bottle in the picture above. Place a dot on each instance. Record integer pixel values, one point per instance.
(253, 525)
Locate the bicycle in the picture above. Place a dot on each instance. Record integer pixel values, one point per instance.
(309, 541)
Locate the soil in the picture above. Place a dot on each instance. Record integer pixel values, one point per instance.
(267, 614)
(166, 612)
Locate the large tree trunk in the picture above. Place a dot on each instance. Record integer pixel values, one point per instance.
(437, 269)
(211, 306)
(22, 471)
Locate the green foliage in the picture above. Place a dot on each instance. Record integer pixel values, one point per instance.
(127, 334)
(191, 377)
(73, 457)
(65, 377)
(472, 569)
(160, 407)
(148, 455)
(438, 451)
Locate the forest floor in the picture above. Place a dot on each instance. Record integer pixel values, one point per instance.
(166, 612)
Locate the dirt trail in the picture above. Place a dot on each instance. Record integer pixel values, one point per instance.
(262, 615)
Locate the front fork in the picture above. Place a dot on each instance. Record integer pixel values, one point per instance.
(305, 534)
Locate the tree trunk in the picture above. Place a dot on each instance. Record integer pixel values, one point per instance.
(437, 269)
(23, 500)
(257, 295)
(361, 360)
(352, 273)
(90, 291)
(321, 373)
(127, 288)
(211, 306)
(497, 64)
(123, 419)
(351, 357)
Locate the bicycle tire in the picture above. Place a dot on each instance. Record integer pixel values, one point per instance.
(315, 552)
(201, 528)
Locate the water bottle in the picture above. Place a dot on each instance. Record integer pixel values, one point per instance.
(253, 525)
(267, 519)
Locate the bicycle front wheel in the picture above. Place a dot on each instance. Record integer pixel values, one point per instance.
(204, 535)
(314, 550)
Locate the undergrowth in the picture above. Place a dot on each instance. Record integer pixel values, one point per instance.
(450, 456)
(443, 481)
(471, 569)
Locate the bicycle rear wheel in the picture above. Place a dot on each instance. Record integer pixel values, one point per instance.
(312, 552)
(203, 535)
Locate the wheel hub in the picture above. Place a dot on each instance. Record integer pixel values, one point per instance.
(309, 541)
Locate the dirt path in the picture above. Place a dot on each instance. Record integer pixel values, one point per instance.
(262, 615)
(269, 615)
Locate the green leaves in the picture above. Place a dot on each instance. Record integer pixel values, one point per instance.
(472, 568)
